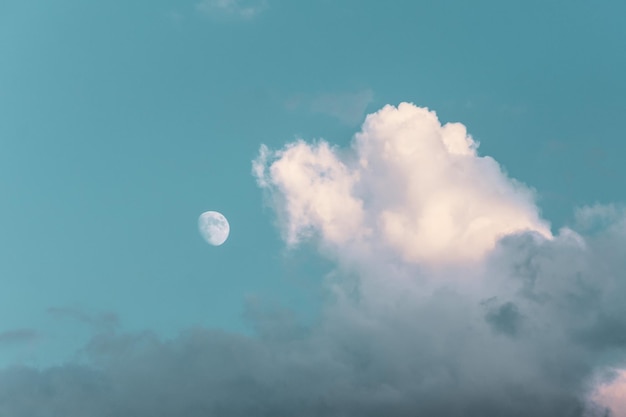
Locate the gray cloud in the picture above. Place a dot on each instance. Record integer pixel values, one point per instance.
(100, 322)
(407, 354)
(504, 318)
(18, 336)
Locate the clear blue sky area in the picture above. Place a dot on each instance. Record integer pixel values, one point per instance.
(121, 122)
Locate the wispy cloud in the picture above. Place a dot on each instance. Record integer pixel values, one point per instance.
(347, 107)
(99, 322)
(245, 9)
(18, 336)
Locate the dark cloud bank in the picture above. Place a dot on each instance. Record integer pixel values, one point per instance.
(529, 347)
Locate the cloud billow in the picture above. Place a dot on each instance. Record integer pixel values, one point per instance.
(417, 186)
(464, 302)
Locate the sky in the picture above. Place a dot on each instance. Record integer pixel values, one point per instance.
(425, 204)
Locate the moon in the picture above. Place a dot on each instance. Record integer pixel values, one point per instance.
(213, 227)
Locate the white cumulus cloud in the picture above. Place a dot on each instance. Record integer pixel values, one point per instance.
(408, 181)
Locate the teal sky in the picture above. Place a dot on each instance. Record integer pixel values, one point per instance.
(121, 122)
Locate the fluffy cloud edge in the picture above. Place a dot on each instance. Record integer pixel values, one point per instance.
(407, 179)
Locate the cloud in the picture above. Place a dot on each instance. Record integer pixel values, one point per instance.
(347, 107)
(601, 217)
(409, 182)
(613, 392)
(504, 318)
(99, 322)
(18, 336)
(496, 316)
(238, 8)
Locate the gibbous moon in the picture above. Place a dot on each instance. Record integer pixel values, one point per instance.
(213, 227)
